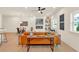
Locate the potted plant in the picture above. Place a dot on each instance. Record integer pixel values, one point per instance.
(77, 27)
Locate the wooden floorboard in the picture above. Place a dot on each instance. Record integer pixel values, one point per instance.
(12, 46)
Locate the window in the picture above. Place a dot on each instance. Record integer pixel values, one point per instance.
(75, 22)
(62, 22)
(39, 23)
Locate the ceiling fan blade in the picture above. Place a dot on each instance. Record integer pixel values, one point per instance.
(43, 9)
(41, 12)
(39, 8)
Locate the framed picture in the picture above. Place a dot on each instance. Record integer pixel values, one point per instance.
(24, 23)
(62, 22)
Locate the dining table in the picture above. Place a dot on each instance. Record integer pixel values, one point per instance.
(51, 37)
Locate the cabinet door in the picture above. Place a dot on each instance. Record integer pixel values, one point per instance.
(40, 41)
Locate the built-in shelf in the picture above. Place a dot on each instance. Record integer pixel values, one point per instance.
(47, 24)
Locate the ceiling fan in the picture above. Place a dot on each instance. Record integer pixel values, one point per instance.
(40, 9)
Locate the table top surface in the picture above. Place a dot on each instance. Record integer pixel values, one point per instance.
(42, 36)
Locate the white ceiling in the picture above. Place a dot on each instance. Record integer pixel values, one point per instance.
(29, 11)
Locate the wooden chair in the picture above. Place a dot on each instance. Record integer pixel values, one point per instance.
(3, 34)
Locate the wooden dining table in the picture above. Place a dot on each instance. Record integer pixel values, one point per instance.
(51, 37)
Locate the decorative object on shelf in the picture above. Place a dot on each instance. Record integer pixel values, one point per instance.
(31, 32)
(62, 22)
(49, 33)
(47, 23)
(18, 30)
(31, 29)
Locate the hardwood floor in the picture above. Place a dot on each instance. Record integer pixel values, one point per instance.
(12, 46)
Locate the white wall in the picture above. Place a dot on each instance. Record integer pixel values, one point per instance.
(0, 25)
(70, 38)
(0, 21)
(12, 22)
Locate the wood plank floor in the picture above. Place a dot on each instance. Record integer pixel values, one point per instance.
(12, 46)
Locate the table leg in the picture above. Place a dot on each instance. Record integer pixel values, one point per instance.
(52, 47)
(5, 37)
(52, 44)
(28, 45)
(1, 38)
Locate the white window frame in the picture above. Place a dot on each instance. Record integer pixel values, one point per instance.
(72, 20)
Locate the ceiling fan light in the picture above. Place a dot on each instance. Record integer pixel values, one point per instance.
(38, 11)
(41, 12)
